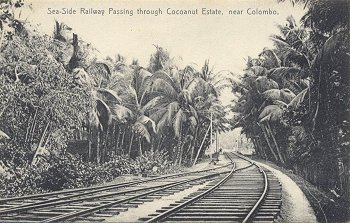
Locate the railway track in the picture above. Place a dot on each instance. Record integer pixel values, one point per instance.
(98, 203)
(247, 193)
(237, 192)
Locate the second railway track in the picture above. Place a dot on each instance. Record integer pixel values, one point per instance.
(101, 201)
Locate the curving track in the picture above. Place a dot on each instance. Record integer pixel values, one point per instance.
(242, 192)
(248, 193)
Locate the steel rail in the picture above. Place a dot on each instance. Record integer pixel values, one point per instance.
(184, 204)
(104, 187)
(65, 201)
(167, 213)
(110, 204)
(173, 210)
(263, 195)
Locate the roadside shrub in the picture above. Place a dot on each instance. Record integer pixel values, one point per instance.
(22, 180)
(152, 162)
(66, 171)
(120, 165)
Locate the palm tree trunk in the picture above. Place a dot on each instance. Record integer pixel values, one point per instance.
(176, 156)
(41, 142)
(258, 141)
(275, 142)
(192, 152)
(89, 143)
(257, 148)
(268, 142)
(98, 152)
(181, 153)
(160, 142)
(73, 62)
(123, 138)
(182, 145)
(130, 145)
(152, 144)
(112, 139)
(105, 146)
(140, 146)
(194, 142)
(116, 138)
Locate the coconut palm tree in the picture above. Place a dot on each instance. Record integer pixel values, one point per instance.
(138, 102)
(107, 107)
(183, 105)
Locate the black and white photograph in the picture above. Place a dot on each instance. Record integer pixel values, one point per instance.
(174, 111)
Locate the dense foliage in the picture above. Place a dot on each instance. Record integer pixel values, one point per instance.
(68, 119)
(294, 98)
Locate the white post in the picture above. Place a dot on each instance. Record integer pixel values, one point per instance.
(211, 129)
(211, 135)
(217, 141)
(200, 147)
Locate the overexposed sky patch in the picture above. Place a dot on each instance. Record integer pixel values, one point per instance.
(224, 39)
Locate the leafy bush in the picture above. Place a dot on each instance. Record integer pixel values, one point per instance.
(64, 172)
(23, 180)
(120, 165)
(152, 162)
(67, 171)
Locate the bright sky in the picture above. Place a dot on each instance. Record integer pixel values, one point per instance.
(224, 39)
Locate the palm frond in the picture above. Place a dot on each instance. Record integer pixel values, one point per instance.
(163, 121)
(162, 88)
(178, 121)
(140, 83)
(142, 131)
(272, 94)
(82, 78)
(271, 113)
(120, 112)
(108, 95)
(99, 69)
(297, 100)
(256, 71)
(151, 104)
(104, 113)
(290, 73)
(193, 122)
(146, 120)
(280, 103)
(284, 95)
(263, 83)
(287, 95)
(161, 75)
(173, 108)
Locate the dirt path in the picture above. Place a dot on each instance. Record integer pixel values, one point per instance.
(295, 205)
